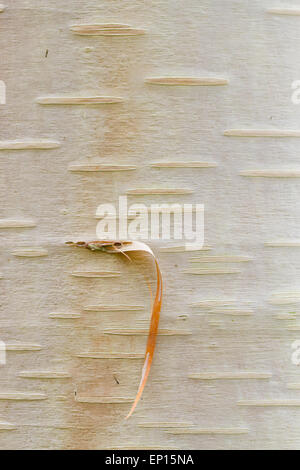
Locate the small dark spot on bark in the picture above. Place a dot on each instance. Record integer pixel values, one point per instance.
(46, 53)
(116, 380)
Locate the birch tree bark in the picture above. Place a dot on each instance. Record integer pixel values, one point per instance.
(147, 87)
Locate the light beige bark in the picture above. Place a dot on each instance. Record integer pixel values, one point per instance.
(156, 88)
